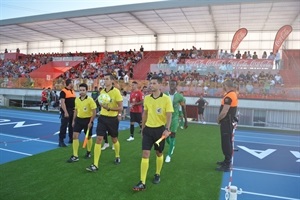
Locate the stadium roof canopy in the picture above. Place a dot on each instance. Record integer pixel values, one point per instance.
(166, 17)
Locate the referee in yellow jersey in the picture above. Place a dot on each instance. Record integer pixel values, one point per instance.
(156, 122)
(108, 121)
(84, 114)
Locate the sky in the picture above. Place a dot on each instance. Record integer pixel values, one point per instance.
(23, 8)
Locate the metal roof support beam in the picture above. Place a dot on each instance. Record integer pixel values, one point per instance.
(34, 30)
(212, 18)
(141, 21)
(70, 20)
(13, 38)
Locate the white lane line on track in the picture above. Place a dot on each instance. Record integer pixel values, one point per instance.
(18, 152)
(266, 143)
(26, 139)
(265, 172)
(266, 195)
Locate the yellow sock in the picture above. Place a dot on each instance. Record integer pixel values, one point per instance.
(159, 163)
(144, 169)
(97, 154)
(75, 146)
(117, 149)
(89, 144)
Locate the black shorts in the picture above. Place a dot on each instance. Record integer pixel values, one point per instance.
(109, 125)
(200, 111)
(150, 136)
(136, 117)
(44, 102)
(82, 124)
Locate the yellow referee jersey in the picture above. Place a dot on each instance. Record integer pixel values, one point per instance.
(157, 109)
(85, 107)
(116, 97)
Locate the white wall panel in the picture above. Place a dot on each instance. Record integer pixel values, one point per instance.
(254, 41)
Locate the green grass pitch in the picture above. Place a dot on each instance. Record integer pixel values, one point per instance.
(190, 174)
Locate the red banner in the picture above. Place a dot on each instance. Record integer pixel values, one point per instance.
(281, 35)
(237, 38)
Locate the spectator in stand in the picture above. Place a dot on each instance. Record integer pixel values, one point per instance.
(249, 56)
(76, 83)
(126, 78)
(261, 78)
(248, 76)
(244, 56)
(249, 87)
(266, 87)
(90, 83)
(226, 55)
(254, 55)
(254, 78)
(5, 51)
(173, 62)
(277, 60)
(271, 56)
(131, 72)
(220, 80)
(125, 104)
(149, 76)
(101, 82)
(160, 73)
(272, 82)
(227, 76)
(241, 79)
(142, 51)
(221, 54)
(223, 67)
(238, 55)
(264, 56)
(278, 79)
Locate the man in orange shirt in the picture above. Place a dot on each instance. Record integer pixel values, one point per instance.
(226, 118)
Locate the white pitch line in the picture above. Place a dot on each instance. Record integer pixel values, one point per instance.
(263, 172)
(18, 152)
(25, 139)
(267, 195)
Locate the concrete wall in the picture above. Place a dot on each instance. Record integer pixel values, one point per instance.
(213, 101)
(257, 113)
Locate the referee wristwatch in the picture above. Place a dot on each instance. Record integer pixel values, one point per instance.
(167, 129)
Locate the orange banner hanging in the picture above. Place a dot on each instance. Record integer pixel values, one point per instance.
(237, 38)
(281, 35)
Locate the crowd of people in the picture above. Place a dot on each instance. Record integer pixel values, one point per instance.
(121, 65)
(246, 82)
(173, 57)
(93, 66)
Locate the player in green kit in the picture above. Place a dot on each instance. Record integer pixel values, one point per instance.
(178, 102)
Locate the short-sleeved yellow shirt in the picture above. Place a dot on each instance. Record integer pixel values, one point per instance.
(157, 109)
(116, 97)
(85, 107)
